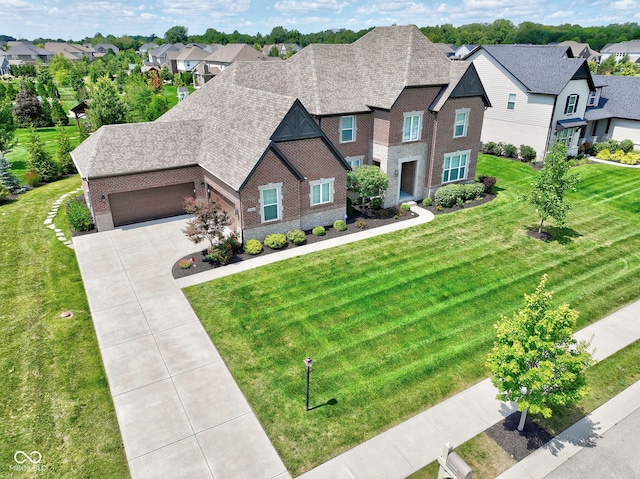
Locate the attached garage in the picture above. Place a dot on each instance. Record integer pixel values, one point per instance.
(149, 204)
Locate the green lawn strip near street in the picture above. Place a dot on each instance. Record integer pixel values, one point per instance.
(606, 379)
(399, 322)
(55, 397)
(18, 155)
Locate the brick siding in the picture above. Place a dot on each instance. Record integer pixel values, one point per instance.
(331, 127)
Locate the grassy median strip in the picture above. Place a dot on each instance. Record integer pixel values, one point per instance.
(55, 397)
(397, 323)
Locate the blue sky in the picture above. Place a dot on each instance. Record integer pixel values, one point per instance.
(77, 19)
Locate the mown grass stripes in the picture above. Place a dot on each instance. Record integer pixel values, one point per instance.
(398, 322)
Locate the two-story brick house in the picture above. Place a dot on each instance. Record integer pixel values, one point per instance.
(272, 141)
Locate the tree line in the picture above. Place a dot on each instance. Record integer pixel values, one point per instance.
(499, 31)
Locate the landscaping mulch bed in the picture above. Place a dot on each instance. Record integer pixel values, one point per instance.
(542, 236)
(515, 443)
(485, 199)
(374, 219)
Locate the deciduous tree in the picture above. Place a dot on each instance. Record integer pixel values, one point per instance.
(209, 222)
(535, 360)
(7, 128)
(368, 182)
(550, 186)
(27, 109)
(176, 34)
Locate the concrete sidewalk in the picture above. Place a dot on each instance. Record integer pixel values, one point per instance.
(406, 448)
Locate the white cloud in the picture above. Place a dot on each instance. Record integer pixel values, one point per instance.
(624, 5)
(301, 6)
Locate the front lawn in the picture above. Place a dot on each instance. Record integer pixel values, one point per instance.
(399, 322)
(54, 393)
(18, 155)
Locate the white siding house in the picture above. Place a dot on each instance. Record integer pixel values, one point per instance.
(538, 95)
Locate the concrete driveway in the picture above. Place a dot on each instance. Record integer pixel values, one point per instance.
(180, 412)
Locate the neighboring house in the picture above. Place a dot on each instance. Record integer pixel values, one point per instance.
(445, 48)
(272, 142)
(190, 57)
(159, 55)
(5, 68)
(614, 110)
(538, 92)
(27, 53)
(283, 48)
(70, 51)
(203, 73)
(142, 51)
(234, 52)
(464, 50)
(582, 50)
(101, 49)
(183, 92)
(619, 50)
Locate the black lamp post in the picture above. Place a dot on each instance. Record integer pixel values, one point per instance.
(308, 362)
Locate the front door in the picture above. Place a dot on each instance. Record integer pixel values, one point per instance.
(407, 179)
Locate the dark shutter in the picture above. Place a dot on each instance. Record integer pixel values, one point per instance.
(566, 105)
(575, 107)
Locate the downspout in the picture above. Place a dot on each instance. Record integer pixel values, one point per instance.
(433, 152)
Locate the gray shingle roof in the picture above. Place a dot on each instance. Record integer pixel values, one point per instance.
(619, 98)
(235, 52)
(632, 46)
(540, 68)
(192, 52)
(135, 147)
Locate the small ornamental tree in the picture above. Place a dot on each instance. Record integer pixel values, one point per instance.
(58, 116)
(27, 109)
(550, 186)
(106, 107)
(535, 361)
(7, 128)
(209, 222)
(368, 182)
(40, 160)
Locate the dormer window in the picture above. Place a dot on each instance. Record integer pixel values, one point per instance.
(591, 101)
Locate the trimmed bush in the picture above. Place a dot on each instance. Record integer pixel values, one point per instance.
(185, 263)
(611, 145)
(78, 216)
(275, 240)
(340, 225)
(220, 254)
(376, 203)
(509, 150)
(427, 201)
(319, 231)
(604, 154)
(491, 148)
(297, 237)
(446, 196)
(472, 191)
(232, 242)
(488, 182)
(349, 207)
(626, 146)
(252, 247)
(527, 153)
(405, 207)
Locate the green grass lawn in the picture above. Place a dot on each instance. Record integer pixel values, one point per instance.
(399, 322)
(55, 397)
(170, 93)
(18, 155)
(67, 97)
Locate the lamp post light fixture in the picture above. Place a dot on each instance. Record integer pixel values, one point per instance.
(308, 362)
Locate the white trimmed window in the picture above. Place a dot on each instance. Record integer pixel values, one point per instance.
(347, 129)
(511, 101)
(591, 101)
(566, 136)
(412, 126)
(455, 166)
(572, 104)
(462, 120)
(321, 191)
(270, 202)
(354, 161)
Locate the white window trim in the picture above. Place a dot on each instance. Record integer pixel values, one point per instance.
(466, 165)
(466, 122)
(353, 159)
(271, 186)
(353, 129)
(320, 182)
(509, 102)
(561, 136)
(412, 114)
(591, 100)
